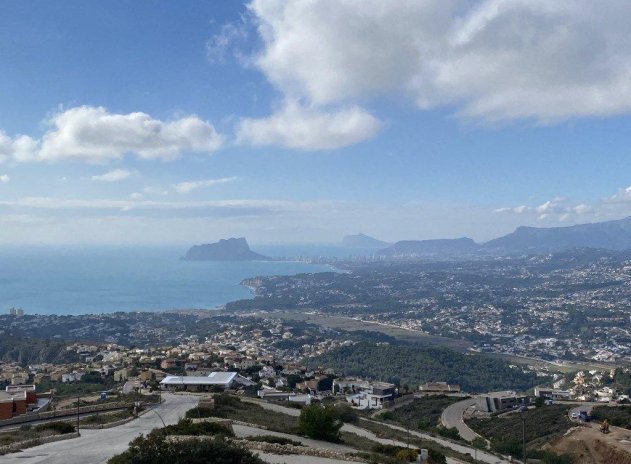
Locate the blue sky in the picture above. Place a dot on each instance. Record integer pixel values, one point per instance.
(302, 121)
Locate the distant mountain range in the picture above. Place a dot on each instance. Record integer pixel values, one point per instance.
(608, 235)
(431, 248)
(362, 241)
(232, 249)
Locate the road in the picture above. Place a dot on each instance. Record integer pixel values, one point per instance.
(97, 446)
(452, 417)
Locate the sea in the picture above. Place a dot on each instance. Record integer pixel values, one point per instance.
(88, 280)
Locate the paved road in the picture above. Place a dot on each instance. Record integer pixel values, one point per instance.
(97, 446)
(452, 417)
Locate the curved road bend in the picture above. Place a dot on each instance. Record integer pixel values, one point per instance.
(97, 446)
(452, 417)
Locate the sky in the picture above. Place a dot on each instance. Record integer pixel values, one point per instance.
(301, 121)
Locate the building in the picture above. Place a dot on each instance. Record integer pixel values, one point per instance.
(17, 400)
(362, 394)
(500, 401)
(215, 380)
(439, 387)
(552, 393)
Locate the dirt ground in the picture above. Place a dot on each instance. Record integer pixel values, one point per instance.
(589, 446)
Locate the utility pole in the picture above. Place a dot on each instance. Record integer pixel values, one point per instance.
(78, 402)
(522, 415)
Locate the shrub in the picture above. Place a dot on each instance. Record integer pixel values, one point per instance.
(406, 454)
(227, 400)
(155, 449)
(276, 440)
(199, 412)
(346, 413)
(187, 427)
(60, 427)
(320, 423)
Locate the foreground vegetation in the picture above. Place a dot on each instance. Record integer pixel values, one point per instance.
(414, 364)
(542, 425)
(28, 432)
(156, 449)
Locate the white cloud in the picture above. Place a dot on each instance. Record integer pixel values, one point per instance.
(300, 127)
(4, 178)
(136, 196)
(188, 187)
(230, 34)
(155, 191)
(93, 134)
(112, 176)
(490, 60)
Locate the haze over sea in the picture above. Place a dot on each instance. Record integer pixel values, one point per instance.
(79, 280)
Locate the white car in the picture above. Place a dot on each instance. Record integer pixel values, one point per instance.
(574, 415)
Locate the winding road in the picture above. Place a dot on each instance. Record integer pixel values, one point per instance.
(452, 417)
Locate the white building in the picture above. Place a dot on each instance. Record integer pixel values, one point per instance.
(222, 380)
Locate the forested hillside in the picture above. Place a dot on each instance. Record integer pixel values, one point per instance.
(414, 364)
(32, 351)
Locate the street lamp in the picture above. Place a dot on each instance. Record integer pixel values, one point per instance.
(522, 414)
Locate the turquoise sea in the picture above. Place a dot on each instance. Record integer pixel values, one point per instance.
(78, 280)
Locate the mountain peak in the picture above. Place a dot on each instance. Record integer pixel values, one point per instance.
(362, 240)
(230, 249)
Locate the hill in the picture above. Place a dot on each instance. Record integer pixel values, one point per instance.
(431, 248)
(362, 241)
(609, 235)
(232, 249)
(415, 364)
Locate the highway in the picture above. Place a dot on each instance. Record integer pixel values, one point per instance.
(97, 446)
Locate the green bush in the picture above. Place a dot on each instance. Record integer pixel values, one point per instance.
(320, 423)
(60, 427)
(227, 400)
(197, 413)
(154, 449)
(187, 427)
(346, 413)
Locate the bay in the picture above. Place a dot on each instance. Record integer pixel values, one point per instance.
(78, 280)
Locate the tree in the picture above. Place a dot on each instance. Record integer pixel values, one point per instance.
(540, 401)
(320, 423)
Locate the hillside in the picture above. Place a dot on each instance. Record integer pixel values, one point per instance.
(415, 364)
(34, 351)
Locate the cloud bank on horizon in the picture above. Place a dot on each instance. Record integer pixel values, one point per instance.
(330, 65)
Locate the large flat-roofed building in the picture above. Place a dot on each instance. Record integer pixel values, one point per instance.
(500, 401)
(215, 380)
